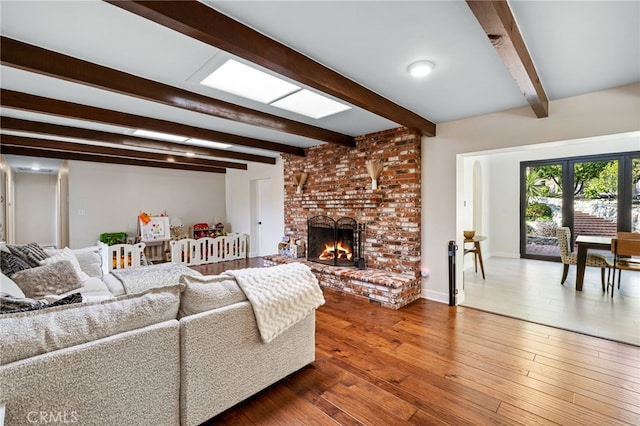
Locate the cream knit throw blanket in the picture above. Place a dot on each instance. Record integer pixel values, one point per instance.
(280, 295)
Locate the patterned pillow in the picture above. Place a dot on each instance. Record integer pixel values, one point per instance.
(57, 278)
(10, 263)
(10, 304)
(31, 253)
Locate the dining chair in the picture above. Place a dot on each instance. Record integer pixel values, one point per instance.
(626, 256)
(569, 258)
(628, 236)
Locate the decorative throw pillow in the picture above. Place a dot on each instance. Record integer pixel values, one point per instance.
(10, 304)
(8, 286)
(10, 263)
(31, 253)
(67, 254)
(89, 258)
(90, 262)
(56, 278)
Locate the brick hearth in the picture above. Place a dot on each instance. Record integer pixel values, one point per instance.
(338, 185)
(388, 289)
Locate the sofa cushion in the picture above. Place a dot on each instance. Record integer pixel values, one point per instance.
(8, 286)
(56, 278)
(203, 293)
(10, 263)
(31, 253)
(27, 334)
(67, 254)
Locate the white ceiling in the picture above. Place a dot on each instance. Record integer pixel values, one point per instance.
(577, 47)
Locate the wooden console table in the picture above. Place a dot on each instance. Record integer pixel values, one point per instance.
(477, 252)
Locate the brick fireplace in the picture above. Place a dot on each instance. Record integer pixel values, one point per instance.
(338, 185)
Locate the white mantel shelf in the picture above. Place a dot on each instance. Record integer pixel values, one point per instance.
(356, 199)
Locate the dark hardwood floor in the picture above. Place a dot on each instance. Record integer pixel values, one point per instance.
(429, 363)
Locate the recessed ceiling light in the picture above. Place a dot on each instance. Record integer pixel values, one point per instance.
(243, 80)
(311, 104)
(189, 154)
(421, 68)
(158, 135)
(209, 144)
(35, 168)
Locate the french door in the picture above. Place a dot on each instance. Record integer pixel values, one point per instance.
(594, 195)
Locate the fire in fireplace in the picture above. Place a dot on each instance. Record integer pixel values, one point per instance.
(336, 251)
(333, 242)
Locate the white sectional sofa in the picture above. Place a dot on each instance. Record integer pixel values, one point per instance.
(177, 354)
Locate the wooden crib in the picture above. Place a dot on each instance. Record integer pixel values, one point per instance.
(190, 251)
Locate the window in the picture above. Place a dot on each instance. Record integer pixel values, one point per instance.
(594, 195)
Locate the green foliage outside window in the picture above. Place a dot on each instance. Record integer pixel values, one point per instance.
(605, 184)
(539, 211)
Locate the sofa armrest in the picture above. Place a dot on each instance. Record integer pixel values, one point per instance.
(223, 360)
(128, 378)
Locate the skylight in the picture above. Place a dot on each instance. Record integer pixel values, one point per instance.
(242, 80)
(209, 144)
(311, 104)
(158, 135)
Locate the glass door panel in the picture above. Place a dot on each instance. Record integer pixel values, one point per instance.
(635, 199)
(543, 208)
(595, 198)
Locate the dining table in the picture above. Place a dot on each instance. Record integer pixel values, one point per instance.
(584, 243)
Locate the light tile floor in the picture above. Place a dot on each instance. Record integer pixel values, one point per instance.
(531, 290)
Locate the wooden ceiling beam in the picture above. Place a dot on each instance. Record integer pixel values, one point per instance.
(34, 103)
(64, 155)
(21, 125)
(197, 20)
(31, 58)
(56, 145)
(498, 22)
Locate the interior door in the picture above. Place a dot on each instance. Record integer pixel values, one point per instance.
(635, 194)
(264, 237)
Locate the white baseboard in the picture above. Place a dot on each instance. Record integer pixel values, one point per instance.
(436, 296)
(506, 254)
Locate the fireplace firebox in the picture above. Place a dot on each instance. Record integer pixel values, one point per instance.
(333, 242)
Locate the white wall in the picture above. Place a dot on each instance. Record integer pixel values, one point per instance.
(476, 198)
(239, 203)
(4, 170)
(36, 208)
(111, 196)
(602, 113)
